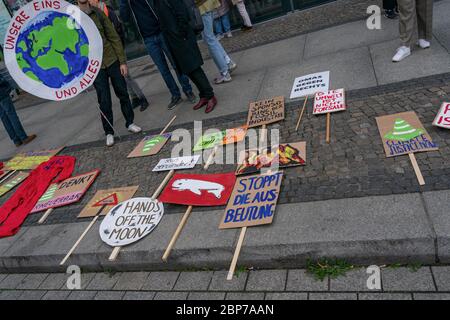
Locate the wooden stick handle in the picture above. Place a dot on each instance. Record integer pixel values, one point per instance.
(211, 157)
(328, 127)
(236, 254)
(301, 114)
(79, 240)
(45, 215)
(114, 253)
(177, 233)
(168, 125)
(416, 167)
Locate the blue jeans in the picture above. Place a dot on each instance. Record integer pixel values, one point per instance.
(157, 47)
(216, 50)
(222, 24)
(11, 121)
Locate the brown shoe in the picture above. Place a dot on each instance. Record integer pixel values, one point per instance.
(29, 139)
(211, 105)
(18, 144)
(203, 102)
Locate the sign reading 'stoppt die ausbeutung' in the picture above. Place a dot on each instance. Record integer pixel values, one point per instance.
(130, 221)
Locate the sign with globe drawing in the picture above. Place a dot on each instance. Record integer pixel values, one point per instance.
(52, 49)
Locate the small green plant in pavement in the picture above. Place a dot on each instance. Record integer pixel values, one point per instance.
(325, 267)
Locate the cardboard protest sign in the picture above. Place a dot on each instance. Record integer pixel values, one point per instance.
(443, 117)
(199, 189)
(253, 201)
(403, 133)
(265, 112)
(234, 135)
(52, 49)
(310, 84)
(130, 221)
(12, 182)
(331, 101)
(108, 198)
(178, 163)
(284, 155)
(30, 160)
(150, 145)
(223, 137)
(66, 192)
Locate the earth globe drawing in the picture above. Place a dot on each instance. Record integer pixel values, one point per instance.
(52, 49)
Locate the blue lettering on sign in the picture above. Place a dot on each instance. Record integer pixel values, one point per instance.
(417, 144)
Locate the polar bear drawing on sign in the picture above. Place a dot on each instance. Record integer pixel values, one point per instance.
(196, 186)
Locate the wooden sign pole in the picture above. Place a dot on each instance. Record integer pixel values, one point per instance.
(45, 215)
(82, 236)
(416, 167)
(155, 195)
(8, 175)
(168, 125)
(177, 233)
(211, 157)
(236, 253)
(301, 114)
(328, 127)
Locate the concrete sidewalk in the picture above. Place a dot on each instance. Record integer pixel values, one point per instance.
(357, 58)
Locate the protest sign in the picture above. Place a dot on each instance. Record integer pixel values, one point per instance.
(12, 182)
(331, 101)
(310, 84)
(265, 112)
(443, 117)
(208, 141)
(178, 163)
(108, 198)
(199, 189)
(234, 135)
(30, 160)
(66, 192)
(150, 145)
(284, 155)
(52, 49)
(252, 201)
(130, 221)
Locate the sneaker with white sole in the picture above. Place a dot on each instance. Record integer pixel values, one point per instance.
(424, 44)
(228, 34)
(232, 66)
(109, 140)
(223, 78)
(402, 53)
(134, 128)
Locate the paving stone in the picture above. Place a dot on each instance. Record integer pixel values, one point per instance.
(442, 278)
(332, 296)
(32, 295)
(55, 281)
(300, 280)
(353, 280)
(403, 279)
(431, 296)
(104, 281)
(139, 295)
(286, 296)
(171, 296)
(32, 281)
(82, 295)
(219, 281)
(10, 294)
(109, 295)
(12, 281)
(56, 295)
(240, 296)
(206, 296)
(385, 296)
(131, 281)
(160, 281)
(2, 276)
(86, 278)
(266, 280)
(193, 280)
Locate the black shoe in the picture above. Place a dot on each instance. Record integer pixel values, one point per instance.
(144, 104)
(390, 14)
(191, 97)
(174, 102)
(135, 102)
(246, 28)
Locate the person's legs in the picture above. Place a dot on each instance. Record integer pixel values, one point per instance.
(425, 19)
(201, 81)
(218, 30)
(244, 14)
(154, 47)
(101, 85)
(215, 48)
(120, 89)
(225, 19)
(11, 121)
(389, 4)
(408, 21)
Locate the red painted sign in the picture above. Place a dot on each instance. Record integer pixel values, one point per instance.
(110, 200)
(199, 189)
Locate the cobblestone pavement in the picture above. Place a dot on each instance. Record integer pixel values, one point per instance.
(397, 283)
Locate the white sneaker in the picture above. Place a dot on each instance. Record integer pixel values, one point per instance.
(424, 44)
(401, 54)
(219, 37)
(134, 128)
(109, 140)
(228, 34)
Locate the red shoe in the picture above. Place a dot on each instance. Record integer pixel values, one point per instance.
(211, 105)
(203, 102)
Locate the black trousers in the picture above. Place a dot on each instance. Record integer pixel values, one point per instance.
(101, 85)
(389, 4)
(201, 81)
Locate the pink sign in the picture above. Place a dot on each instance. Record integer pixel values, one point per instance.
(443, 117)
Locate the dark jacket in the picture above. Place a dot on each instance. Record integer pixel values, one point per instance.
(5, 88)
(144, 16)
(174, 20)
